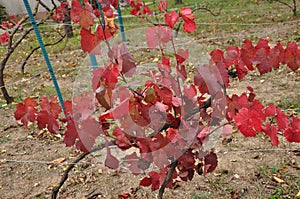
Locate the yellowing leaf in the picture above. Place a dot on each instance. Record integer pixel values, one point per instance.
(234, 131)
(298, 195)
(278, 180)
(155, 59)
(66, 168)
(59, 160)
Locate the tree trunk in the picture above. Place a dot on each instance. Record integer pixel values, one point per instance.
(6, 96)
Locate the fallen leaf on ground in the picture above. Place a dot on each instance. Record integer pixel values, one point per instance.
(298, 195)
(59, 160)
(278, 180)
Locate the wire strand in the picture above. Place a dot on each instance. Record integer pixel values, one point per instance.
(5, 161)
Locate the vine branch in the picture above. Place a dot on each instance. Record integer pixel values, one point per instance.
(167, 180)
(37, 48)
(65, 176)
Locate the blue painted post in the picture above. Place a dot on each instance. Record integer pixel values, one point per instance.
(93, 61)
(45, 54)
(121, 23)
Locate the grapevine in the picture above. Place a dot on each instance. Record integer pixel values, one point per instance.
(171, 117)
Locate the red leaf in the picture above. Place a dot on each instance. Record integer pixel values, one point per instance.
(61, 11)
(158, 35)
(121, 140)
(270, 110)
(190, 92)
(261, 58)
(108, 3)
(125, 195)
(103, 33)
(96, 80)
(82, 14)
(146, 182)
(68, 108)
(248, 54)
(89, 127)
(87, 133)
(163, 6)
(189, 26)
(103, 97)
(51, 106)
(292, 56)
(227, 129)
(200, 82)
(173, 135)
(187, 160)
(153, 180)
(217, 56)
(47, 117)
(241, 70)
(257, 107)
(234, 104)
(139, 8)
(202, 135)
(110, 160)
(164, 65)
(4, 38)
(281, 119)
(171, 18)
(5, 25)
(47, 120)
(292, 134)
(136, 164)
(108, 11)
(232, 56)
(189, 19)
(181, 72)
(248, 122)
(26, 112)
(182, 55)
(83, 106)
(125, 59)
(70, 134)
(272, 132)
(84, 147)
(210, 163)
(165, 94)
(147, 11)
(89, 42)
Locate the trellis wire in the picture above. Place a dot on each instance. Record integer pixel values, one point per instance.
(4, 161)
(205, 39)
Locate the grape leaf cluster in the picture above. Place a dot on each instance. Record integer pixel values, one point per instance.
(172, 116)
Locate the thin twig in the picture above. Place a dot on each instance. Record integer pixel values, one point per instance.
(167, 179)
(37, 48)
(71, 166)
(44, 5)
(66, 173)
